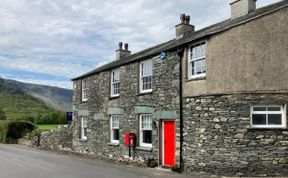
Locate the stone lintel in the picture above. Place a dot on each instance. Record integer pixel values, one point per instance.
(114, 111)
(143, 109)
(83, 113)
(166, 115)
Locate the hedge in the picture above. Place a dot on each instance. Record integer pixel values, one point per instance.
(11, 131)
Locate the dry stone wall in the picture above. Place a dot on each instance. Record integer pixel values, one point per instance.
(219, 139)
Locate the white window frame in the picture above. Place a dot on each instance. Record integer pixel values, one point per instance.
(282, 112)
(148, 145)
(112, 127)
(115, 80)
(83, 126)
(145, 73)
(192, 60)
(85, 89)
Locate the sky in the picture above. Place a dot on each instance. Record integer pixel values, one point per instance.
(51, 41)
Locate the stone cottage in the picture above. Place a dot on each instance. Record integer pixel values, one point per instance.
(212, 100)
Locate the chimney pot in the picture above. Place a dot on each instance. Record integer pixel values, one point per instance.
(182, 18)
(126, 46)
(120, 45)
(187, 19)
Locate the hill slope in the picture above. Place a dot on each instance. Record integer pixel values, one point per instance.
(58, 98)
(19, 99)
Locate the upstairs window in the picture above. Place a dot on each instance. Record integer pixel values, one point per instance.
(84, 126)
(146, 130)
(268, 116)
(146, 68)
(114, 129)
(115, 83)
(196, 66)
(85, 90)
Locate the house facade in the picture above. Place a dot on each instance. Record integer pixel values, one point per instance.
(212, 100)
(140, 97)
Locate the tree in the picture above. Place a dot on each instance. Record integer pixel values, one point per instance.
(2, 114)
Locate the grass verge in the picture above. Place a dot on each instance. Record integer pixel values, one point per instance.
(45, 127)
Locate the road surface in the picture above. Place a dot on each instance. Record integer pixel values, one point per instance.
(22, 162)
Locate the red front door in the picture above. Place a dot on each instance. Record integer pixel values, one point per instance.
(169, 143)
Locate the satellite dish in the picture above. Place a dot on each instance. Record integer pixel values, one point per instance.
(162, 55)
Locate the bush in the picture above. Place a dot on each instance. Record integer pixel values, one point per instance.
(2, 115)
(34, 133)
(152, 163)
(175, 169)
(11, 131)
(3, 132)
(56, 117)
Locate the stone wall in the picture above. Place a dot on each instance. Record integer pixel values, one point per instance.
(162, 101)
(59, 139)
(219, 139)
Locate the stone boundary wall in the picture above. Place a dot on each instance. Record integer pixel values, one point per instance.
(219, 139)
(59, 139)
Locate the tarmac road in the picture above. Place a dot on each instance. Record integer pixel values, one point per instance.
(22, 162)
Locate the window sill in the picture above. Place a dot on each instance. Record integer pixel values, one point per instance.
(113, 97)
(113, 144)
(83, 139)
(144, 93)
(263, 128)
(196, 78)
(144, 148)
(84, 101)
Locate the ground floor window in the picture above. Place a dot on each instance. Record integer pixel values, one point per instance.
(114, 129)
(84, 125)
(145, 130)
(268, 116)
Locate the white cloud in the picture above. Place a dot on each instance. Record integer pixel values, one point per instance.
(70, 37)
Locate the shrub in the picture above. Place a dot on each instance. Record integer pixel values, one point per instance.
(11, 131)
(2, 115)
(3, 131)
(56, 117)
(152, 163)
(175, 169)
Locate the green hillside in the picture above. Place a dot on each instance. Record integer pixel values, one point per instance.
(15, 104)
(58, 98)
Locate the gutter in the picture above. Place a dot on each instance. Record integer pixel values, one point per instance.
(180, 52)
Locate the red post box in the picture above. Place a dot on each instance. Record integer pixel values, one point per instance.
(130, 139)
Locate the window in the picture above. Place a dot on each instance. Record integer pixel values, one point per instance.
(196, 66)
(145, 130)
(115, 83)
(114, 129)
(84, 121)
(146, 76)
(85, 90)
(268, 116)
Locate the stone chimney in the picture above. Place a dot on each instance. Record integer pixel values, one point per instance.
(184, 26)
(242, 7)
(122, 53)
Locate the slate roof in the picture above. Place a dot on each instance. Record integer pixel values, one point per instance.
(190, 37)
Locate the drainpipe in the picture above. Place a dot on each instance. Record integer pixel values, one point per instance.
(180, 52)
